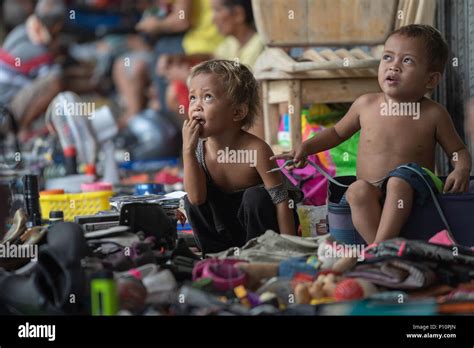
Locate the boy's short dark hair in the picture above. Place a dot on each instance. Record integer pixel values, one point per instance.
(436, 47)
(240, 84)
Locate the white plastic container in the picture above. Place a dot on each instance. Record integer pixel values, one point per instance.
(70, 183)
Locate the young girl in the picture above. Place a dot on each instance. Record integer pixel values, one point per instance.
(231, 197)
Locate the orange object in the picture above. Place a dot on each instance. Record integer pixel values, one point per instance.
(90, 169)
(52, 192)
(136, 179)
(462, 307)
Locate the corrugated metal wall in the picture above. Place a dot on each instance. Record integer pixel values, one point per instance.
(455, 19)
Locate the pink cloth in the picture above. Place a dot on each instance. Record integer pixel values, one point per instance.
(442, 238)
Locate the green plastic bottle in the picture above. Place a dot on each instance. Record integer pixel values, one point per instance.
(104, 294)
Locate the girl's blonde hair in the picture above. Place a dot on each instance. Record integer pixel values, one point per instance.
(240, 84)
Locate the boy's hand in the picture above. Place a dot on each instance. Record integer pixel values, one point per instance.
(298, 157)
(191, 131)
(457, 181)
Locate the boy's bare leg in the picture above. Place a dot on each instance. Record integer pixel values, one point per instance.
(364, 200)
(396, 209)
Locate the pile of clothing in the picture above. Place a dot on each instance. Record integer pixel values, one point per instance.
(270, 275)
(281, 275)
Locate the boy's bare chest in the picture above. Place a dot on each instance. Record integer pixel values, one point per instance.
(397, 133)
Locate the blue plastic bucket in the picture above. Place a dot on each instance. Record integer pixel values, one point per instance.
(423, 222)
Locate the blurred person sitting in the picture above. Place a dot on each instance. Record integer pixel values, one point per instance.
(187, 29)
(29, 79)
(131, 70)
(15, 12)
(235, 21)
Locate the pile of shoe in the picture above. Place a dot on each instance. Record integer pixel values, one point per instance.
(142, 254)
(53, 282)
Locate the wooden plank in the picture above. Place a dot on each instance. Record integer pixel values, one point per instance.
(337, 90)
(323, 22)
(294, 106)
(278, 91)
(360, 54)
(377, 51)
(404, 20)
(270, 116)
(331, 56)
(334, 65)
(344, 22)
(266, 112)
(260, 21)
(276, 75)
(274, 58)
(277, 59)
(426, 11)
(411, 12)
(312, 55)
(353, 63)
(400, 15)
(281, 22)
(357, 52)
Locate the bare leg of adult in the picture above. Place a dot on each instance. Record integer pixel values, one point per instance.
(131, 82)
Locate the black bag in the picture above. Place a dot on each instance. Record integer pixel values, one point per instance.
(152, 220)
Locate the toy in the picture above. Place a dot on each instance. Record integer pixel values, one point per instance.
(302, 295)
(324, 286)
(132, 294)
(224, 274)
(329, 287)
(353, 289)
(242, 295)
(322, 289)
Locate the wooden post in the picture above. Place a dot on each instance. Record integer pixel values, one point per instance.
(270, 115)
(294, 110)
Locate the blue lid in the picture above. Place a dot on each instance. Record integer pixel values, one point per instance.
(149, 189)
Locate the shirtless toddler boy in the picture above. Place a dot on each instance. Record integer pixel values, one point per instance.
(412, 64)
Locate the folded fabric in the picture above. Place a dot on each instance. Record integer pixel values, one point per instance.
(273, 247)
(396, 274)
(418, 250)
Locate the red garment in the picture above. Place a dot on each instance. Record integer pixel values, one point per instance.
(182, 94)
(25, 67)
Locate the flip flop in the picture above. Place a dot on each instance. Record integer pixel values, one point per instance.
(17, 228)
